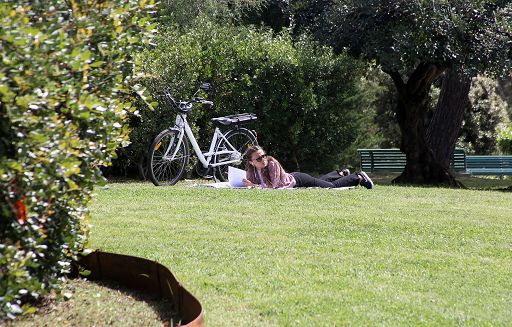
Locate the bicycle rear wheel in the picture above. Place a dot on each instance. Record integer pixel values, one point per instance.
(167, 158)
(241, 139)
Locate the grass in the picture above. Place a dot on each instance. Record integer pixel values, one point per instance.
(391, 256)
(388, 256)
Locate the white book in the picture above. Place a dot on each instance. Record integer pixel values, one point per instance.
(236, 177)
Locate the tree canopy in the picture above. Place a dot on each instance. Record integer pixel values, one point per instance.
(474, 36)
(185, 12)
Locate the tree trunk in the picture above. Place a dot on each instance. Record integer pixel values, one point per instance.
(505, 91)
(445, 126)
(422, 166)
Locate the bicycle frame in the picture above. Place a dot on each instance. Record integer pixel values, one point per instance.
(205, 158)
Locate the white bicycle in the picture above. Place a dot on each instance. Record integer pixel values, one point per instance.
(169, 153)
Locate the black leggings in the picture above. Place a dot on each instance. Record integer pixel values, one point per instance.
(305, 180)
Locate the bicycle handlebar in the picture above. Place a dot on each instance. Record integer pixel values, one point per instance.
(203, 101)
(185, 106)
(208, 103)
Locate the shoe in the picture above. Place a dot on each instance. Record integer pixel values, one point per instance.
(365, 180)
(345, 172)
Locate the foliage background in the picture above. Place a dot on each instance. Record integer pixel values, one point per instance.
(311, 104)
(484, 118)
(201, 36)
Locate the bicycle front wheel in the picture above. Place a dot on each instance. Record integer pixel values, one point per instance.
(168, 156)
(241, 139)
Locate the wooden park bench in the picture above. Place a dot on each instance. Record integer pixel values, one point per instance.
(393, 160)
(489, 165)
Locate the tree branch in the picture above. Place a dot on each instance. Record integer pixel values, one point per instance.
(396, 77)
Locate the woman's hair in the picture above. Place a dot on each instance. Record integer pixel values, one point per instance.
(264, 172)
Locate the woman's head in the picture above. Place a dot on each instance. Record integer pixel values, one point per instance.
(256, 157)
(258, 160)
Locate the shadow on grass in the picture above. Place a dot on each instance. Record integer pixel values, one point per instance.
(83, 302)
(165, 309)
(470, 182)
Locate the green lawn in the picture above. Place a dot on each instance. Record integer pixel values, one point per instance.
(387, 256)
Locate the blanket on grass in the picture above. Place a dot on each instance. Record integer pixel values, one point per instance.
(227, 185)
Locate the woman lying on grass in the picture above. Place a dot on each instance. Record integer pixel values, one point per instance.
(265, 171)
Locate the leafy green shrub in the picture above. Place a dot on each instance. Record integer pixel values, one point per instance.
(505, 140)
(62, 85)
(487, 112)
(309, 101)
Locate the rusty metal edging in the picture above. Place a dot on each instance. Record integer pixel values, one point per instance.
(149, 277)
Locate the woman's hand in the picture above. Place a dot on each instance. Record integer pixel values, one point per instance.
(248, 183)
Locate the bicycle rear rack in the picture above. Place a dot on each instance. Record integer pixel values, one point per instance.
(238, 119)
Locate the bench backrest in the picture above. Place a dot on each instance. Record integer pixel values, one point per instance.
(500, 162)
(394, 160)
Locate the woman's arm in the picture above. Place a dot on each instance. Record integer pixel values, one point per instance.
(276, 173)
(250, 179)
(279, 177)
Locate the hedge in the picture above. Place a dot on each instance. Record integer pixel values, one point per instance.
(63, 87)
(310, 102)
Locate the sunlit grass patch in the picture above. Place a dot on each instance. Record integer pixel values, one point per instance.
(392, 255)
